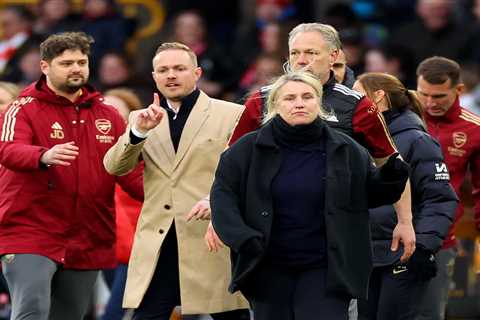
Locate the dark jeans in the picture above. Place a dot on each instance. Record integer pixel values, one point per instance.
(394, 294)
(114, 310)
(277, 293)
(163, 293)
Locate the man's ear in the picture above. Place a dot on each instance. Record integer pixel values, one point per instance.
(198, 72)
(460, 88)
(44, 66)
(378, 95)
(333, 57)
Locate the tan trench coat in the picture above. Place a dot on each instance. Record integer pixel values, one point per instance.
(174, 183)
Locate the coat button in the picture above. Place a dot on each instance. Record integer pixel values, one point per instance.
(161, 231)
(167, 207)
(264, 214)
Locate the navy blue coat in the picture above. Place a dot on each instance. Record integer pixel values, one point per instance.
(242, 208)
(433, 199)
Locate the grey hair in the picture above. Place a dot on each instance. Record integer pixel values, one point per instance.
(298, 76)
(329, 34)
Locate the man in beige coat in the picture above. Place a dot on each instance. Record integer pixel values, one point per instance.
(180, 138)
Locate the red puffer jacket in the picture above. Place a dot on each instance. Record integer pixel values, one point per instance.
(65, 213)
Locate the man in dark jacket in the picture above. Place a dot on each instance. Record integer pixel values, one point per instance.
(343, 74)
(57, 224)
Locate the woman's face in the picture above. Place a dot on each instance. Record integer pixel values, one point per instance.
(297, 103)
(5, 99)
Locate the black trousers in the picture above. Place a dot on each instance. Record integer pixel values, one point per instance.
(163, 293)
(278, 293)
(394, 294)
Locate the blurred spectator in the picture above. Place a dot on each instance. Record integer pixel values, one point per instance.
(56, 16)
(341, 16)
(8, 92)
(343, 74)
(354, 48)
(470, 97)
(189, 28)
(272, 42)
(392, 59)
(267, 67)
(110, 29)
(221, 17)
(114, 71)
(273, 39)
(268, 11)
(17, 39)
(127, 212)
(434, 32)
(29, 65)
(387, 14)
(265, 30)
(471, 52)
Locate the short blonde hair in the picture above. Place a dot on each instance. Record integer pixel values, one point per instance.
(297, 76)
(177, 46)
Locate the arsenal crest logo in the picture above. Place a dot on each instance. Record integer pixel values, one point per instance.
(372, 109)
(459, 139)
(103, 125)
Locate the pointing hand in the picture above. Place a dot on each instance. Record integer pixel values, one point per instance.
(150, 117)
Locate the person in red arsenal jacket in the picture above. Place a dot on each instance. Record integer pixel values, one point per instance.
(57, 221)
(458, 131)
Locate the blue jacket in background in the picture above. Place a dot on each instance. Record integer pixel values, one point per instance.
(433, 199)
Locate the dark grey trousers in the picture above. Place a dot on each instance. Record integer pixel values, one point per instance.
(42, 290)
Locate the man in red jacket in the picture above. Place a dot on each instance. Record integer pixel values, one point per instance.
(458, 131)
(57, 221)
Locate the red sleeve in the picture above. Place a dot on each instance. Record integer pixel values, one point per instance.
(370, 129)
(475, 171)
(16, 149)
(251, 117)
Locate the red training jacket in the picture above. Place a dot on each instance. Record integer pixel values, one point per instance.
(65, 213)
(458, 132)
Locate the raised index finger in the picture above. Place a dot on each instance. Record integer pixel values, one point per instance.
(156, 99)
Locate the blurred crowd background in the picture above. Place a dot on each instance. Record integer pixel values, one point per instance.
(241, 44)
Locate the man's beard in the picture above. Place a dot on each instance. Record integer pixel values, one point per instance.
(72, 86)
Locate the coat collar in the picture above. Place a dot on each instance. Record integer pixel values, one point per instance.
(195, 122)
(399, 121)
(266, 139)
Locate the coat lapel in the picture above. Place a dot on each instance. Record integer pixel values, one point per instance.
(195, 121)
(165, 156)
